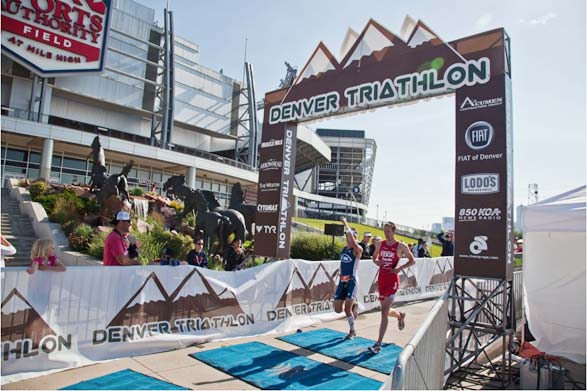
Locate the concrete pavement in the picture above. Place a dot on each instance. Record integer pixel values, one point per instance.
(179, 368)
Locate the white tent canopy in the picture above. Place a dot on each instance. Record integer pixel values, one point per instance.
(554, 273)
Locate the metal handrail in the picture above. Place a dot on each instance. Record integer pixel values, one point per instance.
(407, 362)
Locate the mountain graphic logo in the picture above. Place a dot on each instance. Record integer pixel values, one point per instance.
(195, 297)
(377, 45)
(21, 321)
(442, 273)
(321, 287)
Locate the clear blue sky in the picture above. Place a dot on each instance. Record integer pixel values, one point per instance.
(414, 172)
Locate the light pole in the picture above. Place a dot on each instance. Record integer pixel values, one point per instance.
(377, 215)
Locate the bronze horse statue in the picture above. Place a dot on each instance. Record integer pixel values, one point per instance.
(116, 185)
(237, 203)
(237, 220)
(212, 223)
(99, 177)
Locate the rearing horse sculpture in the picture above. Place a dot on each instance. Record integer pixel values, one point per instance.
(116, 185)
(236, 202)
(237, 219)
(212, 223)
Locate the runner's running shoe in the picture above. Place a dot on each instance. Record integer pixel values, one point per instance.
(401, 323)
(351, 335)
(375, 348)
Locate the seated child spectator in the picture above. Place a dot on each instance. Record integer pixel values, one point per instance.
(167, 258)
(43, 257)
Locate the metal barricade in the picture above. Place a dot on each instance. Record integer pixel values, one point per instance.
(420, 365)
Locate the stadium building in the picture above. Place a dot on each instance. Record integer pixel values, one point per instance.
(48, 124)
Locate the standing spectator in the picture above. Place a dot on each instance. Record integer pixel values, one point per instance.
(43, 257)
(7, 249)
(365, 245)
(376, 240)
(235, 255)
(115, 245)
(197, 256)
(519, 246)
(448, 247)
(411, 248)
(423, 252)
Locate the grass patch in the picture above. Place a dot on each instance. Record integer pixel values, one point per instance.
(435, 249)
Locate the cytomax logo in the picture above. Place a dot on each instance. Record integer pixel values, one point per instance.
(479, 135)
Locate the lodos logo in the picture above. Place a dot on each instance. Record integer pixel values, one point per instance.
(479, 135)
(267, 208)
(478, 245)
(479, 214)
(474, 104)
(480, 184)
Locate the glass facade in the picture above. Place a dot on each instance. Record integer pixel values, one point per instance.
(25, 163)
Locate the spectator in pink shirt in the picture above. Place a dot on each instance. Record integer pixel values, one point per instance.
(115, 245)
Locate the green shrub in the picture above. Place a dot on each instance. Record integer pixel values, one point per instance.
(81, 238)
(89, 206)
(66, 213)
(152, 244)
(39, 188)
(96, 248)
(314, 247)
(137, 191)
(48, 202)
(190, 219)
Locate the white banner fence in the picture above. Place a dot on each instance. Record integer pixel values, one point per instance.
(55, 321)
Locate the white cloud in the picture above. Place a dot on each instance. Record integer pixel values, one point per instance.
(483, 21)
(541, 19)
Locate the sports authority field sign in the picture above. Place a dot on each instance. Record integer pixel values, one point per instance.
(56, 37)
(380, 69)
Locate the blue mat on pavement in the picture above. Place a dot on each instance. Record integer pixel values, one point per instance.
(331, 343)
(124, 380)
(267, 367)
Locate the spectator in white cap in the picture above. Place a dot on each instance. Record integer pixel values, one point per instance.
(115, 245)
(365, 245)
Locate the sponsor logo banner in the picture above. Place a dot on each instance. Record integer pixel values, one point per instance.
(479, 214)
(474, 104)
(151, 309)
(56, 37)
(479, 135)
(480, 184)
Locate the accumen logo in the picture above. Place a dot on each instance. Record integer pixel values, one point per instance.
(25, 333)
(479, 135)
(480, 184)
(473, 104)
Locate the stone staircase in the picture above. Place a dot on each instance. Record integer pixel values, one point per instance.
(17, 229)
